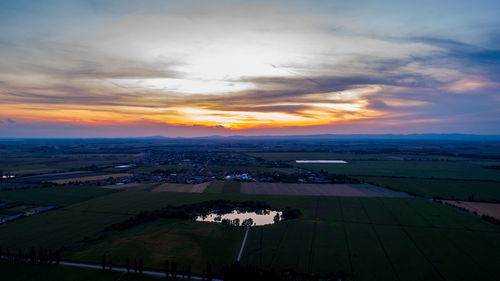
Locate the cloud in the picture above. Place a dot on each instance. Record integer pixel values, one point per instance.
(238, 66)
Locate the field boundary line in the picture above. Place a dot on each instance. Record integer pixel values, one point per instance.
(414, 242)
(447, 238)
(379, 240)
(346, 237)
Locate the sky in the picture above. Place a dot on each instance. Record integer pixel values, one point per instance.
(196, 68)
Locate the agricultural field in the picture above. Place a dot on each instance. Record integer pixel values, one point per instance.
(90, 178)
(60, 176)
(292, 156)
(27, 163)
(481, 208)
(57, 196)
(132, 186)
(379, 239)
(358, 190)
(362, 230)
(186, 242)
(19, 271)
(449, 189)
(175, 187)
(352, 234)
(231, 187)
(413, 169)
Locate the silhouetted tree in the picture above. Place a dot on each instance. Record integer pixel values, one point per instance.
(209, 271)
(32, 255)
(189, 272)
(58, 257)
(135, 265)
(103, 261)
(173, 269)
(166, 268)
(127, 264)
(110, 263)
(140, 266)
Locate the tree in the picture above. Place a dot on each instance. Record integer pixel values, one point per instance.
(277, 218)
(51, 256)
(173, 269)
(110, 263)
(135, 265)
(58, 257)
(166, 268)
(32, 255)
(103, 261)
(127, 264)
(140, 266)
(189, 272)
(209, 271)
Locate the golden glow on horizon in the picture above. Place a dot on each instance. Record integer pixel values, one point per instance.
(314, 114)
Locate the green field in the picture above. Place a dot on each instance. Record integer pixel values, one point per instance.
(419, 169)
(291, 156)
(18, 271)
(367, 238)
(223, 187)
(185, 242)
(58, 196)
(379, 239)
(448, 189)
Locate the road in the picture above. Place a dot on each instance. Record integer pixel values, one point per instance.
(123, 269)
(243, 244)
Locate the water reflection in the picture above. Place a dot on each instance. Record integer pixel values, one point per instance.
(240, 218)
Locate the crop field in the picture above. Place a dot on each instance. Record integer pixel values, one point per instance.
(448, 189)
(185, 242)
(417, 169)
(231, 187)
(379, 239)
(489, 209)
(90, 178)
(365, 237)
(131, 186)
(70, 225)
(30, 162)
(292, 156)
(58, 196)
(175, 187)
(149, 169)
(362, 190)
(60, 176)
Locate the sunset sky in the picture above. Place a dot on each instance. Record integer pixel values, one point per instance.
(197, 68)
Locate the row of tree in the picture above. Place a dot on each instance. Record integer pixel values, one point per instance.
(191, 211)
(237, 272)
(171, 269)
(42, 256)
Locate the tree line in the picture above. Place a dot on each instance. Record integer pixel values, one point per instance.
(42, 256)
(191, 211)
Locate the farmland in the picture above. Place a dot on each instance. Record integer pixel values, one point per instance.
(449, 189)
(17, 271)
(350, 224)
(59, 195)
(337, 233)
(361, 190)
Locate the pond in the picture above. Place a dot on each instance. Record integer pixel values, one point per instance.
(237, 218)
(320, 161)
